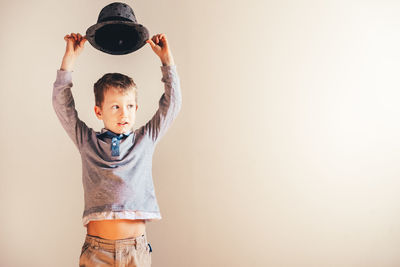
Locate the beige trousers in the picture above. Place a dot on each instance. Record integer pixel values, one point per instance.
(129, 252)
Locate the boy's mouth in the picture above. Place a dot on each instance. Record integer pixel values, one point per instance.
(123, 123)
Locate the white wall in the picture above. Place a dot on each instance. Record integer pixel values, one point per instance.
(285, 153)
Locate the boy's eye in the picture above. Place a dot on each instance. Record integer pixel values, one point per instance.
(130, 106)
(114, 107)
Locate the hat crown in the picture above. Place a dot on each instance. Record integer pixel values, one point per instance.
(117, 31)
(116, 11)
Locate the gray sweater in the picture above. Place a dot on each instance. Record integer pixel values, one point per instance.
(121, 186)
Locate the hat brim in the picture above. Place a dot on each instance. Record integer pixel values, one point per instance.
(137, 33)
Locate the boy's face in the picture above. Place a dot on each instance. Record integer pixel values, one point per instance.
(118, 110)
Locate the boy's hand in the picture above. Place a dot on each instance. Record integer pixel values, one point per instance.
(160, 46)
(75, 44)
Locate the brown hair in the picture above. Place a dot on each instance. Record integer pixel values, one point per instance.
(116, 80)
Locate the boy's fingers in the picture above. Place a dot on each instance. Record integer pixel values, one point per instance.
(158, 39)
(161, 37)
(164, 38)
(152, 44)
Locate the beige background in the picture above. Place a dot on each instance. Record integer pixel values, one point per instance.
(286, 151)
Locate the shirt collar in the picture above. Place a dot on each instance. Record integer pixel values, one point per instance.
(107, 133)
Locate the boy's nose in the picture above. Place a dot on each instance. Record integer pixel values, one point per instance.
(124, 111)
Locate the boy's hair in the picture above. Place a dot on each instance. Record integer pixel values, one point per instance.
(120, 81)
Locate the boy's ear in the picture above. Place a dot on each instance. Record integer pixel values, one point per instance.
(97, 111)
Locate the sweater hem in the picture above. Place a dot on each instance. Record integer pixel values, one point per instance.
(114, 215)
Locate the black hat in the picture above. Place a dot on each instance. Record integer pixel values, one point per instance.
(116, 31)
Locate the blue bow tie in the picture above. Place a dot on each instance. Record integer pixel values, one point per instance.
(110, 134)
(115, 140)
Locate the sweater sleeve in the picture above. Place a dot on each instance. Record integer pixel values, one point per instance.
(169, 105)
(64, 106)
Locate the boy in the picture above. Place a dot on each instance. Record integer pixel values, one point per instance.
(116, 162)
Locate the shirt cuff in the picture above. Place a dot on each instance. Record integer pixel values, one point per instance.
(63, 76)
(168, 71)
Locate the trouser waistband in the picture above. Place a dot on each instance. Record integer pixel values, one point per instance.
(111, 245)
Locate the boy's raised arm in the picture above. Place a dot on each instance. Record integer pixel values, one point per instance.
(171, 101)
(63, 102)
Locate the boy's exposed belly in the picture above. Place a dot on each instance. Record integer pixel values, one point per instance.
(117, 229)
